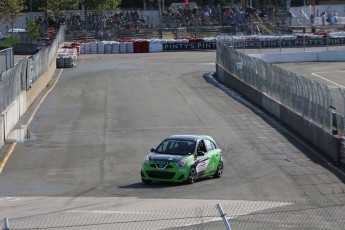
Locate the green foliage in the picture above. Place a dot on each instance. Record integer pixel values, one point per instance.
(56, 7)
(9, 42)
(32, 29)
(11, 10)
(102, 5)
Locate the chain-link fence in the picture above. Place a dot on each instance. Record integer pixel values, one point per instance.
(237, 215)
(309, 98)
(6, 59)
(24, 73)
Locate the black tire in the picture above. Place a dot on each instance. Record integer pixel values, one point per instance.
(219, 172)
(146, 181)
(192, 176)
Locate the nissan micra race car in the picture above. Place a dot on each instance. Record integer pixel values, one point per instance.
(183, 158)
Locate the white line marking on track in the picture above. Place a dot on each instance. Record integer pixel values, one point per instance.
(103, 212)
(316, 75)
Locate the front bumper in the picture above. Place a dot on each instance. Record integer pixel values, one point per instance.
(172, 173)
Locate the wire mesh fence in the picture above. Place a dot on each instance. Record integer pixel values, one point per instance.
(313, 100)
(6, 59)
(24, 73)
(238, 215)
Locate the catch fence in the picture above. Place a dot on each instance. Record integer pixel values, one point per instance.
(24, 73)
(239, 215)
(6, 59)
(322, 104)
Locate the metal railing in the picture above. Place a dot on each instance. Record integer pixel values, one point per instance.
(237, 214)
(309, 98)
(24, 73)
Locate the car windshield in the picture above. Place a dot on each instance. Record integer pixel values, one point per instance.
(176, 147)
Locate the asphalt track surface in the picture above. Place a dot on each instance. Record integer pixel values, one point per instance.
(93, 130)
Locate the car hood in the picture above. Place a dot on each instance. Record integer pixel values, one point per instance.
(165, 157)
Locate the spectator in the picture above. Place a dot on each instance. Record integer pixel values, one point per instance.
(335, 18)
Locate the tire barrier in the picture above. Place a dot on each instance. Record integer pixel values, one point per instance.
(248, 42)
(67, 58)
(68, 55)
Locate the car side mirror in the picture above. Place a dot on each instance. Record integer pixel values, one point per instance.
(200, 153)
(152, 150)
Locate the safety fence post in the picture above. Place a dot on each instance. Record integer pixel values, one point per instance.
(6, 224)
(224, 217)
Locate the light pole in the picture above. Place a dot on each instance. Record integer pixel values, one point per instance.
(31, 9)
(160, 19)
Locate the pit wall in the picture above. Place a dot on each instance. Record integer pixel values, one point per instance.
(320, 138)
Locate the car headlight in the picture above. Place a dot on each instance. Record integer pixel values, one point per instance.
(182, 162)
(147, 159)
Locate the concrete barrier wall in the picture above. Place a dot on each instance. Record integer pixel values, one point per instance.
(2, 134)
(40, 84)
(11, 116)
(312, 56)
(20, 105)
(322, 139)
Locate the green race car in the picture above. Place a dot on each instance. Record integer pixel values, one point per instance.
(183, 158)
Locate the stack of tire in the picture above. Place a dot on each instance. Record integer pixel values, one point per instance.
(67, 58)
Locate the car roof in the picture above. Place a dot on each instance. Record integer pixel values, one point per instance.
(189, 137)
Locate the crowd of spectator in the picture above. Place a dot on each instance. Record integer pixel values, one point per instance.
(49, 21)
(186, 17)
(129, 20)
(213, 15)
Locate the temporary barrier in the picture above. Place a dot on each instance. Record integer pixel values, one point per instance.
(209, 43)
(130, 47)
(115, 47)
(155, 46)
(144, 46)
(137, 46)
(123, 47)
(87, 48)
(93, 47)
(100, 47)
(82, 48)
(107, 47)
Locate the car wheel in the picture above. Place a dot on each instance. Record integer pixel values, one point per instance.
(219, 171)
(146, 181)
(192, 176)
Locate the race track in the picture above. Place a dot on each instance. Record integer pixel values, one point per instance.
(95, 127)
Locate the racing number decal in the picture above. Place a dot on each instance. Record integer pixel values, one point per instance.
(202, 165)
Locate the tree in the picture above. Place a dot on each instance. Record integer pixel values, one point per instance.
(11, 10)
(56, 7)
(101, 5)
(32, 29)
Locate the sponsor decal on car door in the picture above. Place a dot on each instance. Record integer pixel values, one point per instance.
(202, 165)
